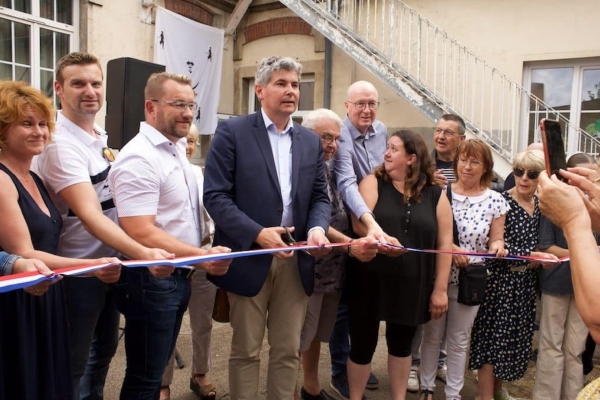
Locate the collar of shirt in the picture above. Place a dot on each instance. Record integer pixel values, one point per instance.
(355, 134)
(269, 123)
(79, 133)
(158, 139)
(471, 199)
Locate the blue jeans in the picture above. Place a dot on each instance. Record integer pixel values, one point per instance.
(339, 343)
(153, 310)
(94, 334)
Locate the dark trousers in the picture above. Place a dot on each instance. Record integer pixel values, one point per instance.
(153, 310)
(339, 343)
(93, 332)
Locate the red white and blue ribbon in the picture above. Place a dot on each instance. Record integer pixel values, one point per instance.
(26, 279)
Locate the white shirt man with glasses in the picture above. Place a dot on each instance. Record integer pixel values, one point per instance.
(157, 200)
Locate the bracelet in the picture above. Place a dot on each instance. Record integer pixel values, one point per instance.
(350, 248)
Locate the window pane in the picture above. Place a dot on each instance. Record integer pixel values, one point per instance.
(5, 40)
(590, 93)
(47, 9)
(22, 41)
(62, 46)
(5, 72)
(46, 83)
(23, 5)
(22, 74)
(64, 11)
(534, 123)
(307, 96)
(553, 86)
(46, 49)
(590, 122)
(5, 3)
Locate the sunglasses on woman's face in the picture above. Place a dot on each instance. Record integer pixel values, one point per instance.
(519, 172)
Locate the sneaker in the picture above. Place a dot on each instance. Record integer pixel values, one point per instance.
(340, 385)
(373, 382)
(304, 395)
(503, 394)
(413, 380)
(441, 373)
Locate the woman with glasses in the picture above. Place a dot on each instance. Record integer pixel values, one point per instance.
(503, 330)
(479, 213)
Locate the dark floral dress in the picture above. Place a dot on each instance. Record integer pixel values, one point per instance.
(503, 330)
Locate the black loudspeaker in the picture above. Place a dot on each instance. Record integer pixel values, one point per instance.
(125, 82)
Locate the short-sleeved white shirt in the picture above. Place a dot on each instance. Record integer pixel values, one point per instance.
(74, 156)
(152, 176)
(474, 216)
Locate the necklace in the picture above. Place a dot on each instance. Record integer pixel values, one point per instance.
(22, 177)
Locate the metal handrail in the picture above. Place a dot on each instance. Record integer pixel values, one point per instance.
(447, 72)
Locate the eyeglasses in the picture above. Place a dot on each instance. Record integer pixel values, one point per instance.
(519, 172)
(445, 132)
(179, 105)
(472, 163)
(328, 139)
(360, 105)
(108, 154)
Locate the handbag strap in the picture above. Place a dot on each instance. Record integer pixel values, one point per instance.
(454, 227)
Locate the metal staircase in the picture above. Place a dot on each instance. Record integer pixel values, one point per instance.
(434, 72)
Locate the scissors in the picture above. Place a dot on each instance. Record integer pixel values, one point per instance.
(287, 237)
(290, 241)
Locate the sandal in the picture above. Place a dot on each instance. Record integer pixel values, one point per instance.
(167, 391)
(426, 395)
(204, 392)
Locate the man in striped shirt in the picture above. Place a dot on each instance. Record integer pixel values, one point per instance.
(447, 135)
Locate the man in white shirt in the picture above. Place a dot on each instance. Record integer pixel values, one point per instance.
(74, 167)
(157, 201)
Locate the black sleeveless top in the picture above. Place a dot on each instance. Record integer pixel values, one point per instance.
(34, 341)
(397, 289)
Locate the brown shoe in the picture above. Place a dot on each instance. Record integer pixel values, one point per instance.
(204, 392)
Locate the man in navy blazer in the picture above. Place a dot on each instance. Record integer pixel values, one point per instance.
(264, 173)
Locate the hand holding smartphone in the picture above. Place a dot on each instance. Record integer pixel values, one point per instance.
(554, 148)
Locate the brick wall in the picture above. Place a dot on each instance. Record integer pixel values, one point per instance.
(277, 26)
(191, 10)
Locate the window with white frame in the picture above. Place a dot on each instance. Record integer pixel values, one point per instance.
(306, 103)
(571, 87)
(34, 35)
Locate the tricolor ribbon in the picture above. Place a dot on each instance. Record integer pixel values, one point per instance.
(26, 279)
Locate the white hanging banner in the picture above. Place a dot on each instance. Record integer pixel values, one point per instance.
(190, 48)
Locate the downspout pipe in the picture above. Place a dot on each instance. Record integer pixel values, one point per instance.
(327, 83)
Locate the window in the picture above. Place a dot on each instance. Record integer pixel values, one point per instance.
(306, 103)
(34, 35)
(572, 88)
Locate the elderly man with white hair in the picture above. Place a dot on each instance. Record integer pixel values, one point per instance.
(329, 270)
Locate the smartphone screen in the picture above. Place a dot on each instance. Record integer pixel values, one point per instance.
(554, 148)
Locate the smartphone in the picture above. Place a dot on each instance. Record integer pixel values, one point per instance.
(554, 148)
